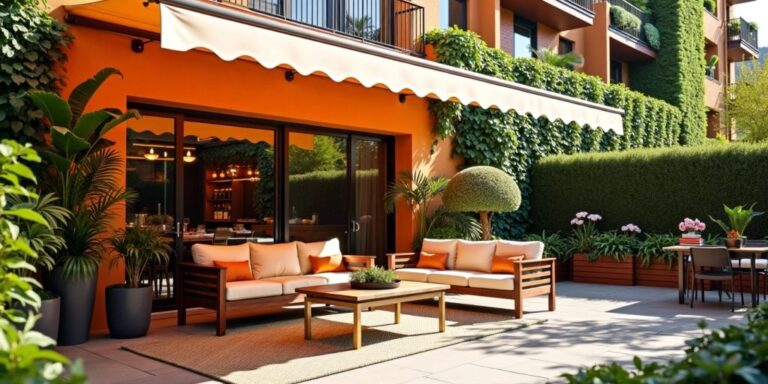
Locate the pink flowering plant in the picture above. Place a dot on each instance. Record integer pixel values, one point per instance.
(691, 227)
(584, 231)
(631, 229)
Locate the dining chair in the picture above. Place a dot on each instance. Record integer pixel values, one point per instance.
(712, 264)
(220, 236)
(760, 264)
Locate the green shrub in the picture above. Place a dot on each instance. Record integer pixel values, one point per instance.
(373, 275)
(615, 245)
(652, 248)
(653, 188)
(652, 35)
(734, 354)
(711, 6)
(624, 19)
(514, 142)
(325, 186)
(555, 245)
(734, 27)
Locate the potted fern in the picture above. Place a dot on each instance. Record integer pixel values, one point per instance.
(129, 305)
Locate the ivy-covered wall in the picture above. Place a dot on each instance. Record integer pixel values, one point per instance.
(515, 142)
(677, 74)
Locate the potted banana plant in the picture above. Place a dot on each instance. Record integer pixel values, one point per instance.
(129, 305)
(85, 174)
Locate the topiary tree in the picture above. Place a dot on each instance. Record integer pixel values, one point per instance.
(484, 190)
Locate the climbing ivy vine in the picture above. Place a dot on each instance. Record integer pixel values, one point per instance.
(515, 142)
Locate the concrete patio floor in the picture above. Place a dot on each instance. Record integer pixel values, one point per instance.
(592, 324)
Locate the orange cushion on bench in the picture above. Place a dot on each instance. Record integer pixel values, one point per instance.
(236, 270)
(505, 264)
(432, 260)
(322, 264)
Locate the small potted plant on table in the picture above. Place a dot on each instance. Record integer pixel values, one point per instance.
(374, 278)
(129, 305)
(739, 218)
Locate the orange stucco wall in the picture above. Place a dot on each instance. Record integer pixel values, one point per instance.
(200, 80)
(482, 18)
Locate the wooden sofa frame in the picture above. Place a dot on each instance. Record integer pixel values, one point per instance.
(206, 287)
(535, 278)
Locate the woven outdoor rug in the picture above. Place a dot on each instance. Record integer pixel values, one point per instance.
(271, 349)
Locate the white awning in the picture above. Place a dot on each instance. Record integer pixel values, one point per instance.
(231, 33)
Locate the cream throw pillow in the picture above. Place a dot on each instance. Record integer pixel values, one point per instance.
(206, 254)
(475, 255)
(273, 260)
(441, 246)
(533, 250)
(319, 248)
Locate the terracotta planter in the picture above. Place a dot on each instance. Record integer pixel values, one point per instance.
(605, 270)
(656, 274)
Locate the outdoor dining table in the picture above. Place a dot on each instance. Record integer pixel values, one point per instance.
(685, 250)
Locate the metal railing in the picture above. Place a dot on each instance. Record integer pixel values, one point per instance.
(639, 13)
(745, 32)
(393, 23)
(586, 4)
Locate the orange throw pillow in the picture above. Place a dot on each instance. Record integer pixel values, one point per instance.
(432, 260)
(321, 264)
(236, 270)
(505, 264)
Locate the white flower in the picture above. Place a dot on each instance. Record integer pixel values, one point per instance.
(574, 221)
(624, 228)
(581, 215)
(579, 222)
(594, 217)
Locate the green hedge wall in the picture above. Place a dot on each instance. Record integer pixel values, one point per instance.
(515, 142)
(653, 188)
(324, 193)
(677, 74)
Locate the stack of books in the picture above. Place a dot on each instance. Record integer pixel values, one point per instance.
(692, 241)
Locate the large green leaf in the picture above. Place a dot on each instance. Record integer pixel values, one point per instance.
(89, 123)
(82, 94)
(54, 107)
(62, 165)
(27, 214)
(128, 115)
(66, 142)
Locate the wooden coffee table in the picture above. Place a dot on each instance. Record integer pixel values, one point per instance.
(356, 299)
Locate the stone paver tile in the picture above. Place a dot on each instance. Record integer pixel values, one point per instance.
(439, 360)
(384, 373)
(470, 373)
(109, 372)
(526, 366)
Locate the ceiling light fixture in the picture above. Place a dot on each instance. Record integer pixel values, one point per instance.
(151, 155)
(188, 158)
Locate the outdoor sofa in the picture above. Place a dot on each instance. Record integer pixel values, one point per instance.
(497, 268)
(251, 275)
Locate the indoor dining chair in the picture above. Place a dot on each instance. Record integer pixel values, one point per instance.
(221, 235)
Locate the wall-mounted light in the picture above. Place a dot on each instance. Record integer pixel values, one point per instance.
(289, 75)
(151, 155)
(188, 158)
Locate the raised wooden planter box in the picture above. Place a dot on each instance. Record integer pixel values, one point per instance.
(605, 270)
(656, 274)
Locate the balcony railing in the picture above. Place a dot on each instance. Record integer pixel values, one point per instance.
(740, 29)
(393, 23)
(639, 13)
(586, 4)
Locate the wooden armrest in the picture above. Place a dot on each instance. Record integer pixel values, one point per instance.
(401, 260)
(363, 261)
(546, 260)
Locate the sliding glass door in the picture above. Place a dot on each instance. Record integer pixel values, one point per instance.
(369, 222)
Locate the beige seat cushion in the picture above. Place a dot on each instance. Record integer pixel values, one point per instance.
(475, 255)
(205, 254)
(747, 263)
(498, 281)
(457, 278)
(290, 283)
(334, 277)
(532, 250)
(414, 274)
(441, 246)
(319, 248)
(252, 289)
(271, 260)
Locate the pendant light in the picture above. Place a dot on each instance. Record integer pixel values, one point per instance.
(151, 155)
(188, 158)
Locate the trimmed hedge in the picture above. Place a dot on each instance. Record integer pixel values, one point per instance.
(677, 74)
(652, 35)
(623, 19)
(324, 193)
(514, 142)
(654, 189)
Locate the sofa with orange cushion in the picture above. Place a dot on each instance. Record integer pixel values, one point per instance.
(226, 278)
(496, 268)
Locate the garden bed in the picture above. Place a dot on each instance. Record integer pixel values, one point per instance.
(604, 270)
(656, 274)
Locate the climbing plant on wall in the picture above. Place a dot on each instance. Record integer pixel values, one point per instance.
(515, 142)
(31, 45)
(677, 74)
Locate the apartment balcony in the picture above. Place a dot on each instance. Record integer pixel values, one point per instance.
(713, 28)
(396, 24)
(734, 2)
(630, 44)
(713, 93)
(561, 15)
(742, 40)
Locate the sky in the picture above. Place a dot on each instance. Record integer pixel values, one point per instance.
(756, 11)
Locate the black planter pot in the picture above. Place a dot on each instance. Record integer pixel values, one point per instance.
(733, 243)
(48, 324)
(77, 297)
(128, 311)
